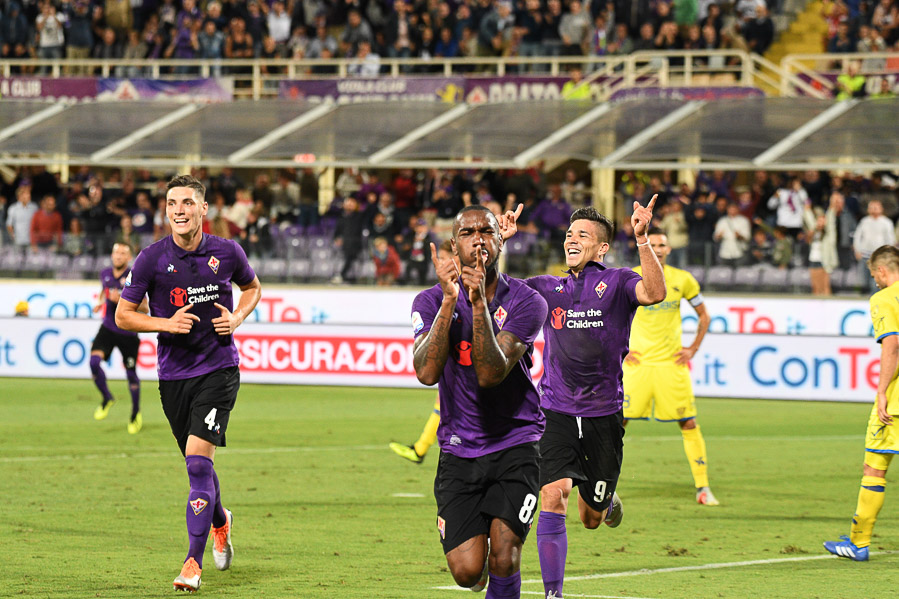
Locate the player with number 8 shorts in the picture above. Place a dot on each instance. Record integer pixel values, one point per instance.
(188, 278)
(474, 337)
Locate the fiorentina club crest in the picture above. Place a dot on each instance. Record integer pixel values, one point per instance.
(198, 505)
(441, 526)
(500, 317)
(214, 264)
(601, 288)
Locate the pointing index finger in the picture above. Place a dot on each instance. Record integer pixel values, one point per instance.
(434, 254)
(518, 211)
(652, 202)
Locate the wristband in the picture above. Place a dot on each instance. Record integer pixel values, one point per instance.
(642, 244)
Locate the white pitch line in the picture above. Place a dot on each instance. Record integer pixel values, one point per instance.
(168, 454)
(758, 562)
(803, 439)
(409, 495)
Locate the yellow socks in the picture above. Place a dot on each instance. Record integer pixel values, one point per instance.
(694, 447)
(429, 434)
(870, 500)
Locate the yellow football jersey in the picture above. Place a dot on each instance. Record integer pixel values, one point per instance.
(656, 332)
(885, 318)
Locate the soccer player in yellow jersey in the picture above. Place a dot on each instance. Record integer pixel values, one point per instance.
(417, 451)
(882, 438)
(656, 373)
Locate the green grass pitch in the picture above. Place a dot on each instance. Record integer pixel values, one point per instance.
(324, 509)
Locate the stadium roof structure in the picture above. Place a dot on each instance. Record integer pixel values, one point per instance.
(641, 133)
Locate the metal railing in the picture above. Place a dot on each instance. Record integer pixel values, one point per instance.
(821, 70)
(259, 78)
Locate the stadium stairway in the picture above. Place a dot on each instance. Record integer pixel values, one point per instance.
(805, 35)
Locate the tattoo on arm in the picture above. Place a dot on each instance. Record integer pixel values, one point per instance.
(493, 356)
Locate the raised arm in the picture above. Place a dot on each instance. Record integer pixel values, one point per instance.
(430, 351)
(493, 356)
(651, 290)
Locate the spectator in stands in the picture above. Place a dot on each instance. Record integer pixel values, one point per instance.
(851, 84)
(46, 226)
(142, 214)
(416, 247)
(366, 62)
(622, 43)
(322, 42)
(286, 199)
(127, 234)
(530, 23)
(387, 263)
(789, 203)
(212, 45)
(759, 32)
(551, 39)
(843, 41)
(256, 238)
(447, 46)
(761, 249)
(79, 37)
(348, 237)
(574, 191)
(19, 216)
(820, 233)
(575, 88)
(297, 44)
(552, 217)
(732, 232)
(495, 31)
(74, 242)
(357, 30)
(845, 224)
(14, 29)
(119, 17)
(872, 232)
(574, 29)
(238, 44)
(51, 38)
(278, 25)
(108, 48)
(674, 224)
(239, 212)
(885, 18)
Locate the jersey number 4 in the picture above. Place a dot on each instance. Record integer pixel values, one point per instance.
(210, 419)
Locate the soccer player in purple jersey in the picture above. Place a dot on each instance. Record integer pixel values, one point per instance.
(474, 336)
(188, 278)
(586, 338)
(110, 337)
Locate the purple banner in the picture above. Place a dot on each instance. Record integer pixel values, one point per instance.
(195, 90)
(687, 93)
(446, 89)
(33, 88)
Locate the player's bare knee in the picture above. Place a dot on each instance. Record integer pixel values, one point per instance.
(466, 575)
(590, 521)
(554, 498)
(686, 425)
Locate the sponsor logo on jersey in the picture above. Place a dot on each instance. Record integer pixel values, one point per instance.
(178, 297)
(417, 323)
(128, 280)
(560, 288)
(601, 288)
(557, 319)
(463, 353)
(171, 268)
(214, 264)
(198, 505)
(455, 440)
(441, 526)
(500, 317)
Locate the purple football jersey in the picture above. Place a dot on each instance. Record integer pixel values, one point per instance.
(110, 281)
(475, 421)
(173, 277)
(586, 338)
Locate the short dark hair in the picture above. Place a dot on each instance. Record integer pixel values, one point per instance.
(886, 255)
(656, 231)
(187, 181)
(590, 213)
(471, 208)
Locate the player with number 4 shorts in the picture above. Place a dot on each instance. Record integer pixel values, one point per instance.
(586, 338)
(188, 277)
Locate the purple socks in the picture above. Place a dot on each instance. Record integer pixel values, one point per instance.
(218, 516)
(552, 547)
(502, 588)
(200, 504)
(100, 378)
(134, 387)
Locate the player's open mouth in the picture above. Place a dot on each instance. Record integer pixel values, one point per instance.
(573, 251)
(181, 221)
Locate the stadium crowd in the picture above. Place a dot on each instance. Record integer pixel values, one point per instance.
(370, 29)
(822, 220)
